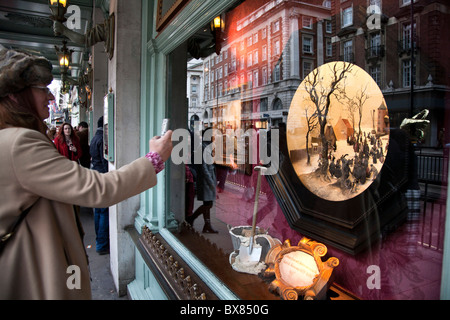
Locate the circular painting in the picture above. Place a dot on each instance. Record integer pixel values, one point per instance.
(337, 131)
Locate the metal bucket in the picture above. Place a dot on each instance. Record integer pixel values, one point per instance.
(242, 234)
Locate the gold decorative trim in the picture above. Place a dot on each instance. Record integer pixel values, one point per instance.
(183, 280)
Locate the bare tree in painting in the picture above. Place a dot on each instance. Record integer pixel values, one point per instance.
(352, 109)
(311, 124)
(358, 103)
(320, 92)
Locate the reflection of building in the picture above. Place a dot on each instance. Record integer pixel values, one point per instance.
(195, 90)
(267, 54)
(382, 29)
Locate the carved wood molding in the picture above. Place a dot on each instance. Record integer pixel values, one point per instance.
(182, 280)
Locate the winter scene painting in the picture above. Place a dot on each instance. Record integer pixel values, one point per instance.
(337, 131)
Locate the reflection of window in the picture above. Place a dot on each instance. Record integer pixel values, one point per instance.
(255, 57)
(247, 106)
(307, 22)
(406, 2)
(276, 47)
(347, 17)
(376, 3)
(264, 53)
(307, 44)
(329, 48)
(264, 76)
(242, 63)
(249, 59)
(255, 38)
(263, 33)
(276, 26)
(375, 73)
(233, 65)
(406, 36)
(375, 45)
(276, 73)
(264, 104)
(255, 78)
(328, 27)
(277, 104)
(406, 73)
(307, 68)
(348, 51)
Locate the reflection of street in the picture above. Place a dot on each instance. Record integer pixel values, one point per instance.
(234, 207)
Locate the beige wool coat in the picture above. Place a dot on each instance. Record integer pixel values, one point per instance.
(41, 260)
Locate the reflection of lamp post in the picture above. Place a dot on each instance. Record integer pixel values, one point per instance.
(58, 9)
(217, 27)
(412, 70)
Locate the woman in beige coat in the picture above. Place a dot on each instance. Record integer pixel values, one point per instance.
(39, 259)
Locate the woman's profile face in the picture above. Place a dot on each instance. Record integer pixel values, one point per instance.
(42, 97)
(67, 130)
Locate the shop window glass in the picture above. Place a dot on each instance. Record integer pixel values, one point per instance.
(398, 222)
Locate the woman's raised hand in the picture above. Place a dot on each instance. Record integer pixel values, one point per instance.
(162, 145)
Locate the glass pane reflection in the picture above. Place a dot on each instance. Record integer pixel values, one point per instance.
(242, 79)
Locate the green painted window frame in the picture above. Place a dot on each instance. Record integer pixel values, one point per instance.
(156, 47)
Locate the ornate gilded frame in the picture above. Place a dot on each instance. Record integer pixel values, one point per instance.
(321, 282)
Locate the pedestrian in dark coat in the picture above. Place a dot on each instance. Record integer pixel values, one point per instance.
(206, 183)
(101, 215)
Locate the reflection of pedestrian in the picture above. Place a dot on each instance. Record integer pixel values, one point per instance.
(206, 190)
(190, 192)
(222, 172)
(101, 215)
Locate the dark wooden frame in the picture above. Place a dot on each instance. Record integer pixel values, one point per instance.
(355, 224)
(163, 18)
